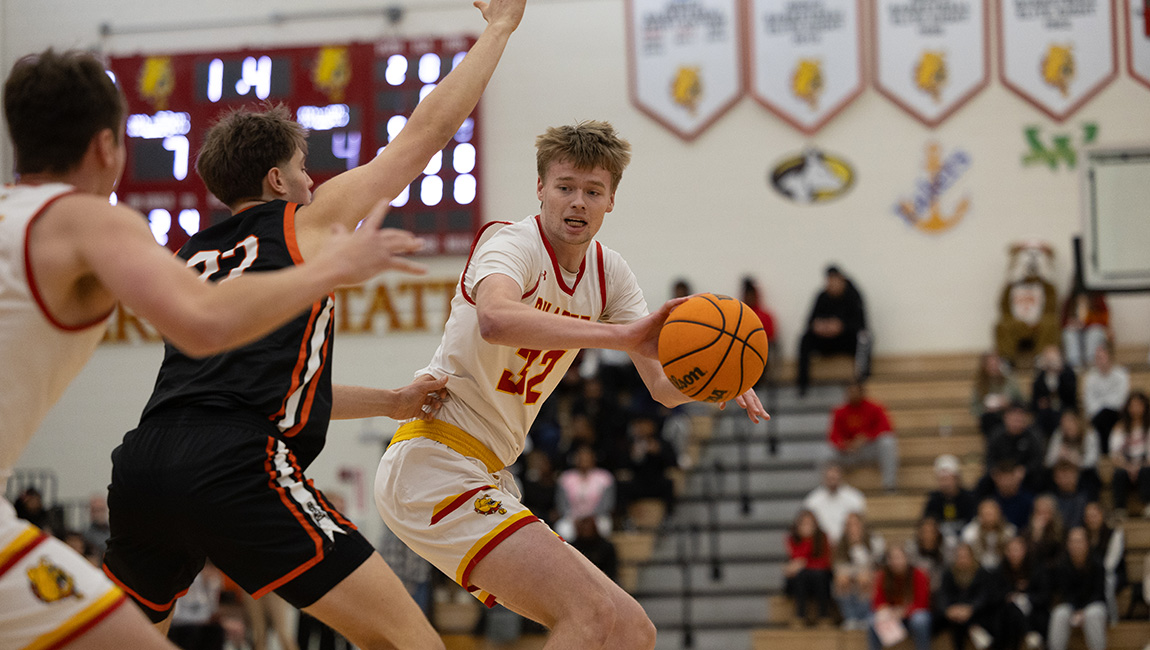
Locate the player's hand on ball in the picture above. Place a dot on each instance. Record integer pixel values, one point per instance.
(753, 405)
(643, 334)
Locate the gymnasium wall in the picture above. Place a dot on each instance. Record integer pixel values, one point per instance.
(702, 209)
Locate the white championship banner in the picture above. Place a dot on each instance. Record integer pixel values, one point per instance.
(931, 56)
(1057, 54)
(1138, 40)
(806, 58)
(685, 61)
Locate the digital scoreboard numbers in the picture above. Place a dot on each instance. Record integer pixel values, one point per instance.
(354, 99)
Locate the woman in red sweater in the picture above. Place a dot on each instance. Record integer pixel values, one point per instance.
(808, 571)
(902, 593)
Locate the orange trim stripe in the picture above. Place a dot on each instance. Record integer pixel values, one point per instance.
(488, 542)
(76, 626)
(21, 546)
(301, 360)
(336, 514)
(289, 233)
(450, 504)
(273, 474)
(305, 410)
(140, 599)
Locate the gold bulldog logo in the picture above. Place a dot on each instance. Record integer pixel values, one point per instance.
(807, 82)
(1058, 67)
(157, 80)
(332, 71)
(51, 583)
(687, 88)
(930, 73)
(485, 505)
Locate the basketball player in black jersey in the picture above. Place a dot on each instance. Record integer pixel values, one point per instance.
(215, 468)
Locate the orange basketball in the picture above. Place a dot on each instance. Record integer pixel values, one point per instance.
(713, 348)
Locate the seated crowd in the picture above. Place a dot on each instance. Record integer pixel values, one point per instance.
(1029, 552)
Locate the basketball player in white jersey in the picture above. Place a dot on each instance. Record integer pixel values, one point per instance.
(66, 257)
(531, 295)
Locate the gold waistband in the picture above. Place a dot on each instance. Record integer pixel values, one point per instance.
(452, 436)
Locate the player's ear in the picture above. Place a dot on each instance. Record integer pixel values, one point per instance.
(275, 180)
(104, 145)
(611, 201)
(539, 187)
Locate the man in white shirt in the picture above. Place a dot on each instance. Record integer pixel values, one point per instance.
(1104, 394)
(832, 501)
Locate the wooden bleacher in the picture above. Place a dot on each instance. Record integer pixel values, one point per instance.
(926, 396)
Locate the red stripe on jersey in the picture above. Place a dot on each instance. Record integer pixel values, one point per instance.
(28, 273)
(18, 555)
(140, 599)
(602, 277)
(273, 473)
(555, 262)
(495, 541)
(437, 516)
(470, 254)
(289, 233)
(88, 625)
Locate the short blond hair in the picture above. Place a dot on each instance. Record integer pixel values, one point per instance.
(586, 145)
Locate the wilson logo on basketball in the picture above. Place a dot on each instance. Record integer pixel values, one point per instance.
(686, 380)
(485, 505)
(51, 583)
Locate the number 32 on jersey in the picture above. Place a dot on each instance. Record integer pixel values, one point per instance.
(524, 381)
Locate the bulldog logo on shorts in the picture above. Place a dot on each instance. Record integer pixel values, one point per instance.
(51, 583)
(485, 505)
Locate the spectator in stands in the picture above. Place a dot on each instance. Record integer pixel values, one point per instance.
(596, 413)
(75, 539)
(951, 505)
(1130, 452)
(649, 466)
(1019, 442)
(1085, 325)
(1108, 546)
(927, 550)
(538, 485)
(595, 547)
(1044, 534)
(1055, 390)
(585, 490)
(1074, 443)
(681, 288)
(808, 568)
(97, 533)
(1013, 499)
(986, 536)
(963, 600)
(1019, 619)
(1070, 496)
(860, 432)
(30, 507)
(1104, 393)
(195, 619)
(753, 298)
(832, 501)
(902, 593)
(994, 389)
(836, 325)
(855, 557)
(1078, 593)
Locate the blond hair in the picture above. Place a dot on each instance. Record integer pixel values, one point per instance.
(586, 145)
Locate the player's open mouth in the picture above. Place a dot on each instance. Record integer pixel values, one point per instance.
(575, 222)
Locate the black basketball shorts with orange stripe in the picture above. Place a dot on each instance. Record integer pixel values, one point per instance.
(190, 484)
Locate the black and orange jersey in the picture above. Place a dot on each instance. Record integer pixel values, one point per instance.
(285, 376)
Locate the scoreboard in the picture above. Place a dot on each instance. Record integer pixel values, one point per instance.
(354, 98)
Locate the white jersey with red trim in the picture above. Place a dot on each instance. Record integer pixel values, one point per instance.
(496, 390)
(39, 356)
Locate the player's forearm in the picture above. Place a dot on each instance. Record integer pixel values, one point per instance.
(517, 325)
(355, 402)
